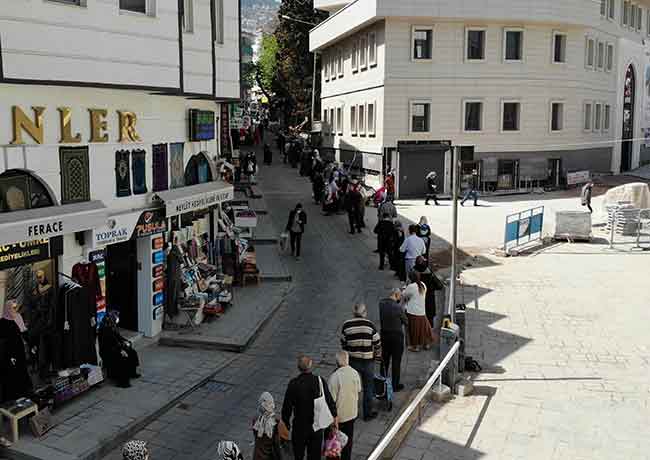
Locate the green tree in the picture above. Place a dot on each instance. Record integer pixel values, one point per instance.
(267, 65)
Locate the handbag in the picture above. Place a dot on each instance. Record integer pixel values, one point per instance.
(322, 415)
(332, 446)
(283, 431)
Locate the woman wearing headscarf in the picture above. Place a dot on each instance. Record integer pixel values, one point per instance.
(420, 334)
(135, 450)
(265, 428)
(15, 381)
(228, 450)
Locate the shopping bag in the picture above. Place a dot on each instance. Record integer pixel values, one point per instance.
(342, 437)
(332, 446)
(322, 416)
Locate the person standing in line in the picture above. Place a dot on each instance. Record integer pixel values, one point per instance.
(345, 386)
(392, 320)
(432, 188)
(296, 227)
(299, 403)
(585, 195)
(265, 430)
(424, 232)
(420, 334)
(397, 257)
(385, 231)
(412, 247)
(472, 191)
(361, 340)
(353, 202)
(389, 183)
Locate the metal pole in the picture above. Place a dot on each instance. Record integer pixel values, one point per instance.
(454, 233)
(313, 93)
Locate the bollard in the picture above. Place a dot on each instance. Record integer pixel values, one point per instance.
(448, 337)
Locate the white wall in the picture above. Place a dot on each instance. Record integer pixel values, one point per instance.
(227, 55)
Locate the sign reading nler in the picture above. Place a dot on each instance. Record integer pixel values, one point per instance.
(35, 127)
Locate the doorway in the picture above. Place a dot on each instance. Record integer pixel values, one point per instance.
(121, 282)
(627, 145)
(554, 172)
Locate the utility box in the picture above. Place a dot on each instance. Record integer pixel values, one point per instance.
(448, 337)
(461, 322)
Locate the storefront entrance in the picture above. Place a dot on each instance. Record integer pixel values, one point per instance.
(121, 282)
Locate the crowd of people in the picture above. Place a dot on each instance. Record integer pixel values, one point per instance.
(318, 415)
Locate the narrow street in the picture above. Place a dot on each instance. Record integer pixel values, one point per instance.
(335, 271)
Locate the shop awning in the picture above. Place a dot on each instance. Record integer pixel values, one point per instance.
(42, 223)
(202, 196)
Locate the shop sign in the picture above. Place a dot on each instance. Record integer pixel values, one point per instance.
(158, 299)
(151, 222)
(204, 201)
(578, 177)
(157, 271)
(158, 284)
(157, 243)
(12, 255)
(158, 257)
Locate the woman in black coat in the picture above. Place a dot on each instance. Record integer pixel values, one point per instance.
(119, 358)
(296, 227)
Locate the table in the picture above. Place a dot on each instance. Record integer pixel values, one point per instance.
(15, 413)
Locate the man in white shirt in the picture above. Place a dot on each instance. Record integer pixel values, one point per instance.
(412, 247)
(345, 386)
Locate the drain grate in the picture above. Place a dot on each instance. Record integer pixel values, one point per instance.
(214, 386)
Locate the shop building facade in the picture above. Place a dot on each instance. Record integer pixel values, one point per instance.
(529, 90)
(105, 107)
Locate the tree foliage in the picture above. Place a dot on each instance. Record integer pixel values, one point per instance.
(267, 64)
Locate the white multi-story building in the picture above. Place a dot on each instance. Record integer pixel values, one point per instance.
(530, 89)
(99, 149)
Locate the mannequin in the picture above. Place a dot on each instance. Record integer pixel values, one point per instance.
(173, 275)
(42, 329)
(15, 381)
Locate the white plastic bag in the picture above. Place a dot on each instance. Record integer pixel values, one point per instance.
(322, 415)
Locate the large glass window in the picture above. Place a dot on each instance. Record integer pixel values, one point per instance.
(587, 116)
(135, 6)
(473, 116)
(514, 45)
(511, 113)
(475, 39)
(422, 43)
(420, 116)
(362, 119)
(19, 190)
(557, 116)
(559, 47)
(353, 120)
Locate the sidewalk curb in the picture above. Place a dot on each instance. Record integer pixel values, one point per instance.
(236, 347)
(105, 446)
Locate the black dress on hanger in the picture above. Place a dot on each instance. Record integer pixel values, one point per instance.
(15, 381)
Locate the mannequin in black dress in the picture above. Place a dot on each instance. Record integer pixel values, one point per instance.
(15, 381)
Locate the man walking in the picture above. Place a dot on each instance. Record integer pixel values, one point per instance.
(472, 191)
(353, 202)
(392, 319)
(431, 188)
(412, 247)
(585, 195)
(296, 227)
(361, 340)
(299, 402)
(345, 386)
(385, 231)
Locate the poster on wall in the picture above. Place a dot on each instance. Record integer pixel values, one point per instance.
(225, 130)
(99, 259)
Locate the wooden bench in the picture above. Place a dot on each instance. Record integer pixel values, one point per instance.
(14, 415)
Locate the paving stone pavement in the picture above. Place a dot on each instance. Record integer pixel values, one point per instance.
(563, 340)
(336, 270)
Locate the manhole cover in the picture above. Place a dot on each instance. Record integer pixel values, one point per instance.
(214, 386)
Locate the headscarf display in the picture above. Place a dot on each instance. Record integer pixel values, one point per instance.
(228, 450)
(10, 313)
(135, 450)
(265, 422)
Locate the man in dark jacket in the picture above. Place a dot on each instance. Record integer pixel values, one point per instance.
(432, 188)
(299, 402)
(385, 231)
(472, 191)
(585, 195)
(392, 319)
(296, 227)
(353, 204)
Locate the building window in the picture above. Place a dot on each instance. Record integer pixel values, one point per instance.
(610, 9)
(372, 49)
(473, 116)
(513, 45)
(19, 190)
(363, 52)
(361, 126)
(370, 112)
(135, 6)
(475, 40)
(75, 174)
(326, 66)
(610, 57)
(325, 121)
(339, 121)
(340, 63)
(355, 56)
(353, 120)
(510, 116)
(420, 117)
(589, 53)
(606, 118)
(557, 116)
(647, 23)
(587, 116)
(630, 16)
(600, 56)
(603, 7)
(332, 122)
(422, 43)
(597, 116)
(188, 16)
(218, 22)
(71, 2)
(559, 47)
(639, 19)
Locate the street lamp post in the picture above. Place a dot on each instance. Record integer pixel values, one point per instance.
(454, 233)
